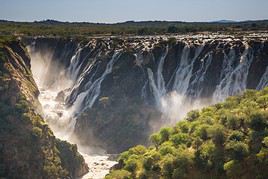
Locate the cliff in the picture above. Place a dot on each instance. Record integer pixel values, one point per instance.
(124, 88)
(28, 147)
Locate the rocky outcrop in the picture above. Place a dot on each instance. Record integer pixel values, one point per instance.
(28, 148)
(118, 84)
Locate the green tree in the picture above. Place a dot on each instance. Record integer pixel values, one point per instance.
(258, 121)
(237, 150)
(156, 140)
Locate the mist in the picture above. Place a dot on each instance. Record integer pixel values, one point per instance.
(54, 85)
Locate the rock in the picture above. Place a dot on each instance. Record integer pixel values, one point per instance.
(28, 147)
(60, 96)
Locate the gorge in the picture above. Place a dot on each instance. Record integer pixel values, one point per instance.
(121, 86)
(107, 94)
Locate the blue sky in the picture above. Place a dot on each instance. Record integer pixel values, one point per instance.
(124, 10)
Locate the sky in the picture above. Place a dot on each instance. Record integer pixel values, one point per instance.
(111, 11)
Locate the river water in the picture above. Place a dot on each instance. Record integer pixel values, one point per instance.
(62, 124)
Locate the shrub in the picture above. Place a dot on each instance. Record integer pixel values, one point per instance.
(258, 121)
(180, 138)
(131, 165)
(237, 150)
(119, 174)
(236, 136)
(164, 134)
(192, 115)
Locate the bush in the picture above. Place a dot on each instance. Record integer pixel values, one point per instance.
(166, 148)
(237, 150)
(229, 140)
(148, 163)
(164, 134)
(180, 138)
(192, 115)
(168, 167)
(265, 142)
(258, 121)
(236, 136)
(131, 165)
(119, 174)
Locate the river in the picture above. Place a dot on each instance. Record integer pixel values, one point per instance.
(60, 121)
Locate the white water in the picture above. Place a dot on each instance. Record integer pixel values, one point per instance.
(62, 121)
(63, 126)
(263, 82)
(184, 71)
(173, 104)
(160, 80)
(94, 90)
(234, 78)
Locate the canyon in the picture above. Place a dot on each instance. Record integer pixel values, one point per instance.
(107, 94)
(119, 90)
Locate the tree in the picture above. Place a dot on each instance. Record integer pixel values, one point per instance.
(205, 154)
(165, 133)
(263, 154)
(168, 167)
(156, 140)
(257, 121)
(180, 138)
(192, 115)
(236, 136)
(263, 101)
(119, 174)
(131, 165)
(172, 29)
(237, 150)
(148, 163)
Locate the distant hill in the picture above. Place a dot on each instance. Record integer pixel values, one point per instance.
(55, 22)
(226, 21)
(52, 27)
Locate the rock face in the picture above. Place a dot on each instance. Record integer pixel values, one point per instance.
(28, 148)
(121, 86)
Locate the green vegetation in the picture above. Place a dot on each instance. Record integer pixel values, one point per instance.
(28, 148)
(5, 39)
(70, 158)
(226, 140)
(55, 28)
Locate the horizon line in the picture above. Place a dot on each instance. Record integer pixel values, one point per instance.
(136, 21)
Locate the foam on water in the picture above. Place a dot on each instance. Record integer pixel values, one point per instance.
(62, 120)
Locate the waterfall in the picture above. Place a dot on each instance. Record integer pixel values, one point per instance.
(264, 80)
(234, 78)
(158, 88)
(198, 77)
(188, 80)
(62, 120)
(157, 93)
(91, 94)
(160, 80)
(184, 70)
(75, 64)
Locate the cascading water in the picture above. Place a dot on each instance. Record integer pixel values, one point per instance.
(62, 119)
(160, 81)
(183, 72)
(158, 88)
(263, 82)
(94, 89)
(104, 78)
(234, 81)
